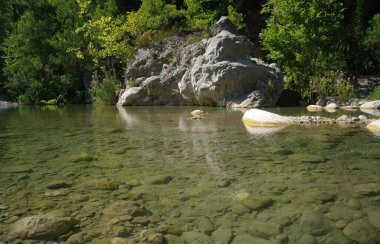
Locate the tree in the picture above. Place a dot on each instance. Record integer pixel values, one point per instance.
(303, 37)
(37, 64)
(372, 44)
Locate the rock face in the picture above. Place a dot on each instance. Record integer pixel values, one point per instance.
(41, 227)
(217, 71)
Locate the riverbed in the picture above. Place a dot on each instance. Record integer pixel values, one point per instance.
(209, 180)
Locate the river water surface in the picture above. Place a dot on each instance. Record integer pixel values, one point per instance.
(198, 181)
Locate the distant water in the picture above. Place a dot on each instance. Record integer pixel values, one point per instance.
(315, 176)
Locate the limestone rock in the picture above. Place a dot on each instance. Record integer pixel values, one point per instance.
(371, 104)
(314, 108)
(216, 71)
(374, 126)
(362, 232)
(41, 227)
(258, 117)
(331, 106)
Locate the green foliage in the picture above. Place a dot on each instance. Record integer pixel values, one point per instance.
(236, 17)
(37, 66)
(372, 44)
(303, 37)
(104, 87)
(375, 93)
(108, 41)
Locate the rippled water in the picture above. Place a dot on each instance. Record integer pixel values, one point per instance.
(322, 183)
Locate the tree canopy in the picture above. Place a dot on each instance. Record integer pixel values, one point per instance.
(51, 49)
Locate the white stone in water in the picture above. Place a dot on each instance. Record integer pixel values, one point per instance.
(314, 108)
(332, 106)
(372, 104)
(257, 117)
(363, 118)
(374, 126)
(342, 118)
(349, 108)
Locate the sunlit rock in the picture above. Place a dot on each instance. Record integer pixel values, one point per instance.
(314, 108)
(371, 105)
(257, 117)
(331, 106)
(374, 127)
(197, 114)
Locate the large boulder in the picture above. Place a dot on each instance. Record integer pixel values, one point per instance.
(217, 71)
(371, 105)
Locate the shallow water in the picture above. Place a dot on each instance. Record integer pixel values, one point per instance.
(188, 174)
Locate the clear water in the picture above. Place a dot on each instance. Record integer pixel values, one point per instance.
(111, 154)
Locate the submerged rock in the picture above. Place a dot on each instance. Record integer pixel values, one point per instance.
(244, 202)
(314, 224)
(121, 208)
(374, 126)
(41, 227)
(362, 232)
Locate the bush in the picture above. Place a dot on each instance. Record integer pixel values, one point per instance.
(375, 93)
(105, 87)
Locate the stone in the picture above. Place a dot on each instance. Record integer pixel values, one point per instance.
(217, 71)
(374, 219)
(173, 239)
(222, 235)
(196, 237)
(258, 117)
(205, 225)
(40, 227)
(244, 202)
(57, 184)
(314, 224)
(342, 118)
(362, 232)
(307, 158)
(374, 126)
(354, 204)
(331, 106)
(314, 108)
(367, 189)
(160, 180)
(246, 238)
(197, 114)
(121, 208)
(224, 23)
(371, 105)
(307, 239)
(264, 229)
(349, 108)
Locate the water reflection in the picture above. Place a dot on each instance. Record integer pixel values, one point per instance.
(263, 131)
(202, 134)
(375, 112)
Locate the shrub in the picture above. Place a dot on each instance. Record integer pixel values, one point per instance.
(375, 93)
(105, 87)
